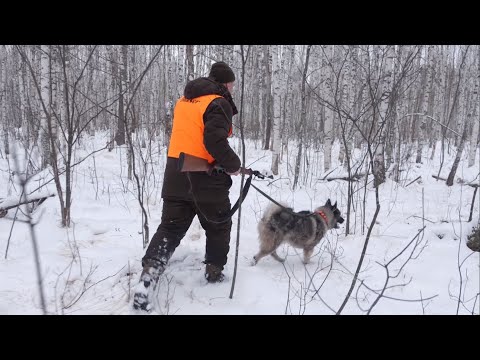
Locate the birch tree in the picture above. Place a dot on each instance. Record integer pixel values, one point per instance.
(44, 86)
(452, 108)
(475, 113)
(3, 97)
(463, 138)
(426, 88)
(277, 99)
(303, 116)
(327, 94)
(189, 49)
(267, 97)
(383, 116)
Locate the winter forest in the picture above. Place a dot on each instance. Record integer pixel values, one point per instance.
(389, 132)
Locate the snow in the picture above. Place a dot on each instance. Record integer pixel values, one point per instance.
(94, 266)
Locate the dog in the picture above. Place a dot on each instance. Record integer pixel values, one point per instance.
(302, 230)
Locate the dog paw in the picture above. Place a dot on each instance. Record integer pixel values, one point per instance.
(253, 262)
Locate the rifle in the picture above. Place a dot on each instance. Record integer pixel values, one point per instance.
(187, 162)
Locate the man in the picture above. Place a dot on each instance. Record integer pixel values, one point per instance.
(202, 122)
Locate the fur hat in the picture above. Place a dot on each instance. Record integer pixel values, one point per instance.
(222, 73)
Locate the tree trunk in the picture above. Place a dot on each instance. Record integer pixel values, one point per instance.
(128, 126)
(452, 108)
(190, 63)
(384, 114)
(453, 171)
(277, 99)
(120, 133)
(303, 116)
(267, 96)
(44, 85)
(424, 110)
(328, 128)
(475, 115)
(3, 97)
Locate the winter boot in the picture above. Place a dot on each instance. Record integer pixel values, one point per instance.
(213, 273)
(144, 290)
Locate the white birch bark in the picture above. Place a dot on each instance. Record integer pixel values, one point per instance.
(422, 135)
(44, 90)
(440, 103)
(328, 96)
(303, 118)
(181, 66)
(57, 103)
(475, 111)
(386, 87)
(277, 98)
(346, 80)
(3, 98)
(267, 96)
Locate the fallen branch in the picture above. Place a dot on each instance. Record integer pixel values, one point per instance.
(439, 178)
(462, 183)
(355, 177)
(39, 200)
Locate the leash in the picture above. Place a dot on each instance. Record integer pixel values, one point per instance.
(234, 208)
(243, 195)
(321, 213)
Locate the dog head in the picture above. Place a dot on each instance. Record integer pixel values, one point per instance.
(332, 213)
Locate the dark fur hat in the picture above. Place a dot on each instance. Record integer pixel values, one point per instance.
(222, 73)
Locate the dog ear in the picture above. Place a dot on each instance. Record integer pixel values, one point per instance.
(328, 203)
(335, 205)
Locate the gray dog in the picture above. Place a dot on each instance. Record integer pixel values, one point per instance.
(302, 230)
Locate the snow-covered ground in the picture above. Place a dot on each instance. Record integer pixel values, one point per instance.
(92, 267)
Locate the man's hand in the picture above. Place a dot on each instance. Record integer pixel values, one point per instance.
(234, 173)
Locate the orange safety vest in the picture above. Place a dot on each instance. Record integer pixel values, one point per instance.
(188, 126)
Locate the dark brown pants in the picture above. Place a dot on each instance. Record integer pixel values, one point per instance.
(177, 216)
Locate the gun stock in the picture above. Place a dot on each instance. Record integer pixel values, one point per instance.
(187, 162)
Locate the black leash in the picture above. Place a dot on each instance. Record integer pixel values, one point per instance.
(269, 198)
(283, 207)
(234, 208)
(240, 200)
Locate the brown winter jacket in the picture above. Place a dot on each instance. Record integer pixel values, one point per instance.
(217, 124)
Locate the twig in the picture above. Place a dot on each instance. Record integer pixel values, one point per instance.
(420, 217)
(411, 182)
(85, 289)
(398, 299)
(71, 167)
(405, 248)
(431, 118)
(325, 177)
